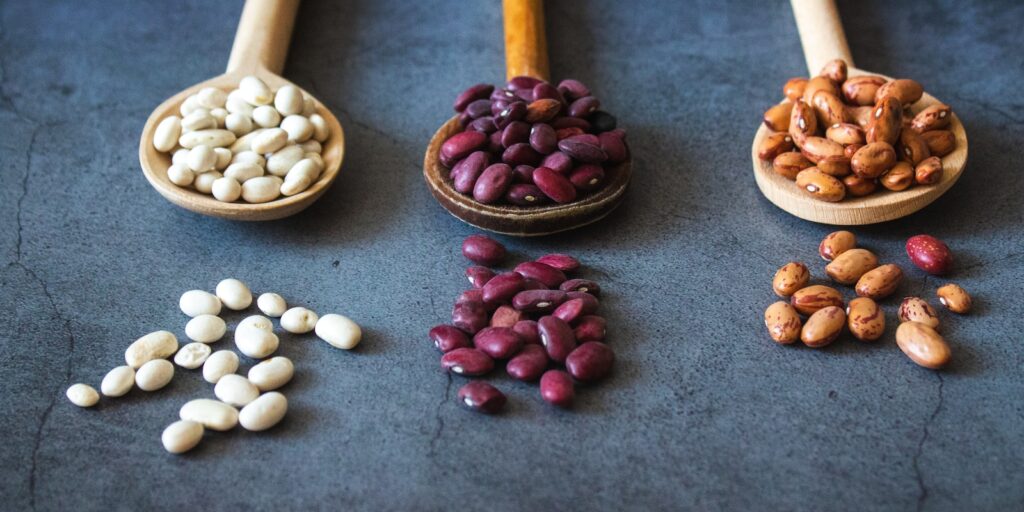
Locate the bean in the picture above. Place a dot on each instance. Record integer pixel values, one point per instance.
(913, 148)
(216, 138)
(590, 328)
(929, 171)
(257, 343)
(542, 110)
(492, 183)
(776, 118)
(923, 345)
(556, 388)
(573, 89)
(572, 310)
(255, 91)
(916, 309)
(180, 175)
(165, 137)
(551, 277)
(236, 390)
(271, 304)
(503, 287)
(590, 361)
(583, 148)
(155, 345)
(234, 294)
(544, 90)
(82, 395)
(865, 319)
(794, 88)
(118, 382)
(590, 301)
(836, 243)
(198, 119)
(479, 276)
(506, 316)
(461, 145)
(542, 139)
(782, 322)
(299, 320)
(321, 130)
(860, 90)
(872, 160)
(955, 298)
(181, 436)
(338, 331)
(204, 182)
(558, 162)
(579, 285)
(587, 177)
(900, 177)
(259, 322)
(522, 194)
(272, 374)
(205, 328)
(482, 397)
(803, 122)
(476, 92)
(561, 262)
(154, 375)
(789, 278)
(521, 154)
(812, 298)
(931, 118)
(820, 185)
(829, 108)
(529, 364)
(243, 171)
(192, 355)
(198, 302)
(557, 337)
(613, 143)
(498, 342)
(554, 185)
(823, 327)
(226, 189)
(929, 254)
(469, 316)
(849, 266)
(522, 82)
(466, 172)
(584, 106)
(282, 160)
(880, 282)
(212, 414)
(483, 124)
(523, 174)
(819, 83)
(219, 364)
(538, 301)
(467, 361)
(817, 149)
(940, 142)
(483, 250)
(517, 132)
(512, 112)
(886, 121)
(905, 90)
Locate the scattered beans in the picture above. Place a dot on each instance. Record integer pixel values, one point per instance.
(955, 298)
(923, 345)
(83, 395)
(783, 322)
(154, 375)
(155, 345)
(205, 328)
(865, 319)
(299, 320)
(929, 254)
(790, 278)
(264, 412)
(916, 309)
(271, 304)
(272, 373)
(182, 436)
(234, 389)
(118, 382)
(556, 388)
(338, 331)
(219, 364)
(483, 397)
(192, 355)
(220, 126)
(861, 118)
(849, 266)
(212, 414)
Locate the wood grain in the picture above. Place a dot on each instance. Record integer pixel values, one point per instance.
(526, 46)
(821, 33)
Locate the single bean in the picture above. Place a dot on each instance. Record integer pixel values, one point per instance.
(503, 287)
(865, 319)
(483, 250)
(776, 118)
(492, 183)
(460, 145)
(544, 90)
(916, 309)
(900, 177)
(298, 128)
(236, 390)
(803, 122)
(587, 177)
(205, 328)
(516, 132)
(955, 298)
(590, 361)
(859, 187)
(872, 160)
(542, 110)
(929, 254)
(523, 194)
(192, 355)
(476, 92)
(613, 143)
(165, 137)
(528, 331)
(82, 395)
(523, 174)
(829, 108)
(845, 133)
(338, 331)
(506, 316)
(573, 89)
(849, 266)
(584, 106)
(264, 412)
(448, 337)
(782, 322)
(886, 121)
(272, 374)
(823, 327)
(913, 148)
(538, 301)
(836, 243)
(198, 302)
(860, 90)
(880, 282)
(226, 189)
(543, 139)
(219, 364)
(521, 154)
(554, 185)
(556, 388)
(602, 121)
(498, 342)
(820, 185)
(558, 162)
(940, 142)
(483, 125)
(934, 117)
(812, 298)
(482, 397)
(478, 108)
(469, 316)
(557, 338)
(513, 112)
(257, 343)
(215, 138)
(546, 274)
(212, 414)
(572, 310)
(905, 90)
(478, 276)
(467, 361)
(923, 345)
(180, 175)
(181, 436)
(155, 345)
(789, 278)
(834, 70)
(817, 149)
(529, 364)
(271, 304)
(561, 262)
(466, 172)
(583, 148)
(118, 382)
(790, 163)
(154, 375)
(929, 171)
(523, 82)
(259, 322)
(590, 328)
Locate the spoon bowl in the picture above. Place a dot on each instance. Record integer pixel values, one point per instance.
(260, 45)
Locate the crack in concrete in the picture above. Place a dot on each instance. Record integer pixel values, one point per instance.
(439, 418)
(922, 487)
(24, 191)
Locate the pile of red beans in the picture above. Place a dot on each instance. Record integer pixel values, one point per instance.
(531, 143)
(534, 319)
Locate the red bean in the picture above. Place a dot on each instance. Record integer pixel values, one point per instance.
(581, 285)
(498, 342)
(538, 301)
(565, 133)
(929, 254)
(582, 148)
(469, 316)
(478, 276)
(483, 250)
(494, 142)
(482, 397)
(550, 276)
(448, 337)
(516, 132)
(529, 364)
(573, 89)
(590, 328)
(478, 108)
(572, 310)
(473, 295)
(570, 122)
(524, 94)
(545, 90)
(467, 361)
(562, 262)
(476, 92)
(587, 177)
(483, 125)
(543, 139)
(584, 106)
(523, 174)
(521, 154)
(465, 173)
(557, 338)
(523, 194)
(503, 287)
(614, 145)
(528, 331)
(492, 183)
(460, 145)
(513, 112)
(506, 316)
(554, 185)
(556, 388)
(558, 162)
(522, 82)
(591, 301)
(590, 361)
(502, 95)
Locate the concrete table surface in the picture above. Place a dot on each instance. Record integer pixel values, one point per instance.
(703, 412)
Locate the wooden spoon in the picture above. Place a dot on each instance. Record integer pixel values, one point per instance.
(525, 55)
(260, 49)
(822, 37)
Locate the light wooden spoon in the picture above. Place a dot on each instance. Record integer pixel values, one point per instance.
(822, 37)
(260, 49)
(526, 54)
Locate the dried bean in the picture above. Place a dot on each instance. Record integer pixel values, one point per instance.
(584, 106)
(469, 316)
(542, 139)
(923, 345)
(483, 397)
(905, 90)
(836, 243)
(934, 117)
(812, 298)
(789, 278)
(562, 262)
(880, 282)
(556, 388)
(782, 322)
(557, 338)
(859, 187)
(790, 163)
(913, 148)
(794, 88)
(506, 316)
(538, 301)
(776, 118)
(478, 109)
(585, 148)
(554, 185)
(823, 327)
(529, 364)
(955, 298)
(916, 309)
(517, 132)
(572, 310)
(929, 171)
(550, 276)
(503, 287)
(849, 266)
(498, 342)
(865, 319)
(542, 110)
(528, 331)
(523, 194)
(467, 361)
(613, 143)
(929, 254)
(448, 337)
(860, 90)
(478, 276)
(573, 89)
(558, 162)
(590, 361)
(523, 82)
(940, 142)
(820, 185)
(602, 121)
(476, 92)
(492, 183)
(460, 145)
(513, 112)
(483, 250)
(834, 70)
(900, 177)
(590, 328)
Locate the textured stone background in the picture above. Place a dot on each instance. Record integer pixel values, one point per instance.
(704, 411)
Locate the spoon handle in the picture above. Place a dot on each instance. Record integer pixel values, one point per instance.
(263, 35)
(526, 45)
(821, 33)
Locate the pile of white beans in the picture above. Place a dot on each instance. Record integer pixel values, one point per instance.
(251, 143)
(251, 400)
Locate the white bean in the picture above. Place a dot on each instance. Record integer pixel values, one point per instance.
(204, 181)
(237, 123)
(181, 436)
(118, 382)
(202, 159)
(283, 159)
(220, 115)
(219, 364)
(249, 157)
(155, 345)
(179, 156)
(288, 100)
(217, 138)
(211, 97)
(262, 189)
(226, 189)
(235, 390)
(298, 320)
(244, 143)
(199, 302)
(83, 395)
(299, 128)
(339, 331)
(256, 343)
(236, 104)
(234, 294)
(212, 414)
(320, 128)
(154, 375)
(271, 304)
(266, 117)
(272, 373)
(191, 103)
(180, 175)
(206, 328)
(242, 172)
(198, 119)
(166, 134)
(311, 146)
(308, 106)
(255, 322)
(302, 175)
(264, 412)
(268, 141)
(223, 158)
(192, 355)
(317, 159)
(254, 91)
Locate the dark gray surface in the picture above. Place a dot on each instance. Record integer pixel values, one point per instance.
(704, 411)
